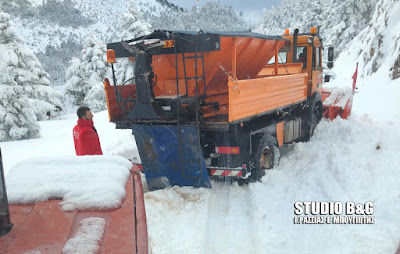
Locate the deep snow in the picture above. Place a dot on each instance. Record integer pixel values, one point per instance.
(340, 163)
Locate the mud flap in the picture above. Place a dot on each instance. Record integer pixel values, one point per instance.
(165, 162)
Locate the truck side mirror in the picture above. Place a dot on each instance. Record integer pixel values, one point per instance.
(330, 57)
(327, 78)
(330, 54)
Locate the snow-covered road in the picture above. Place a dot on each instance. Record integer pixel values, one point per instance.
(353, 160)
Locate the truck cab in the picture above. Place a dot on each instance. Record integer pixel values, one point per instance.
(306, 48)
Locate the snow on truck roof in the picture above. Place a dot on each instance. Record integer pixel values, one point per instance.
(83, 182)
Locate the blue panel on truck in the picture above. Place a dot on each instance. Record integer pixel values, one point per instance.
(168, 162)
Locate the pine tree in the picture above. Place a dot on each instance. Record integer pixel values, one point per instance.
(377, 47)
(212, 16)
(22, 64)
(85, 76)
(17, 117)
(75, 90)
(131, 26)
(339, 21)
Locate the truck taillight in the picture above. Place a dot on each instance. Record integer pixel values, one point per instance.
(227, 149)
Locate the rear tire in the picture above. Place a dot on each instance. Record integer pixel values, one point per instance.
(313, 115)
(265, 156)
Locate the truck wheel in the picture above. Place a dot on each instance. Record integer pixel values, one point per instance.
(316, 116)
(265, 155)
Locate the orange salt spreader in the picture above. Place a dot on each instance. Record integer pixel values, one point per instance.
(216, 104)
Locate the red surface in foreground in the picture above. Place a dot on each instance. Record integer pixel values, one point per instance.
(46, 228)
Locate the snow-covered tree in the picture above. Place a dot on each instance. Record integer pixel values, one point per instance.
(22, 64)
(85, 76)
(347, 21)
(131, 26)
(212, 16)
(17, 118)
(377, 47)
(75, 90)
(339, 21)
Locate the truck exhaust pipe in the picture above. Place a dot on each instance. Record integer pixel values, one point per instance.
(295, 35)
(5, 221)
(145, 107)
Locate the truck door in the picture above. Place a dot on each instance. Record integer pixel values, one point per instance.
(302, 56)
(316, 69)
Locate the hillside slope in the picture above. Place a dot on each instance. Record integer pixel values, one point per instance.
(377, 50)
(54, 30)
(338, 22)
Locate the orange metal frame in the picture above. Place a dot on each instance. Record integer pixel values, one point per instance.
(237, 77)
(250, 54)
(259, 96)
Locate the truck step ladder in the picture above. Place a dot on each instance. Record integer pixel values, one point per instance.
(190, 152)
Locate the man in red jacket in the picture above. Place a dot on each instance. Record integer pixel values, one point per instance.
(85, 135)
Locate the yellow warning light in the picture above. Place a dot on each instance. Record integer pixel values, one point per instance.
(111, 56)
(287, 31)
(313, 30)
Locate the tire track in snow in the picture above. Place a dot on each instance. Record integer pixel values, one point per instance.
(229, 220)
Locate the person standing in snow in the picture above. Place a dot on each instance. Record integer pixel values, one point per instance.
(85, 135)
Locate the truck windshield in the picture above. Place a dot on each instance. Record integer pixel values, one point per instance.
(281, 58)
(302, 56)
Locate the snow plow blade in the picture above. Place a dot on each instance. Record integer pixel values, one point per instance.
(169, 158)
(336, 102)
(45, 228)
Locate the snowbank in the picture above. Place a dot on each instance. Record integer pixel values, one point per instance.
(84, 182)
(377, 96)
(347, 160)
(57, 141)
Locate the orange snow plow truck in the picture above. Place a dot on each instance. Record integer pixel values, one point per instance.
(207, 105)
